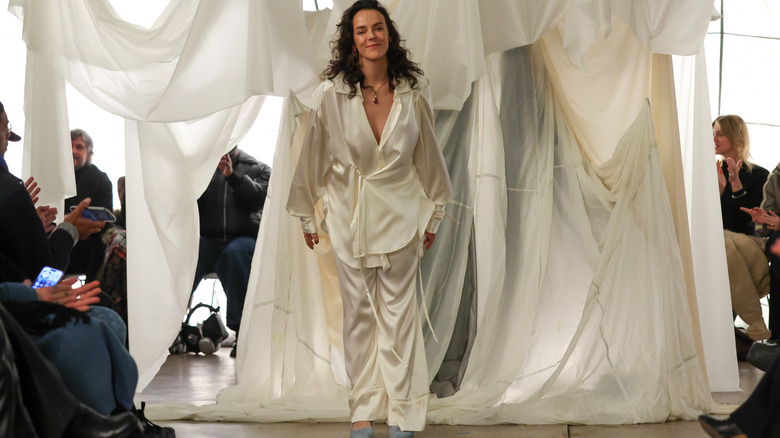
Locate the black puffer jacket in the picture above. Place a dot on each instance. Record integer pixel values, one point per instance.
(232, 207)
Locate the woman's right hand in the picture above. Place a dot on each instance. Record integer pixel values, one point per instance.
(311, 239)
(721, 177)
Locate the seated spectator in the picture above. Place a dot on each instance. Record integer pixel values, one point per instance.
(72, 340)
(230, 211)
(36, 403)
(74, 343)
(768, 224)
(92, 183)
(759, 416)
(24, 242)
(741, 183)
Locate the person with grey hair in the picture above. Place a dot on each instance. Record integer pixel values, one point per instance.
(91, 182)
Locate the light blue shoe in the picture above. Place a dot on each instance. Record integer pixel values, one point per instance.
(365, 432)
(396, 432)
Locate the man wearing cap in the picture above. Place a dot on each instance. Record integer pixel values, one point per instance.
(25, 247)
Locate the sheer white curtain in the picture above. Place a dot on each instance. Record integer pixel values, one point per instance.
(190, 80)
(186, 85)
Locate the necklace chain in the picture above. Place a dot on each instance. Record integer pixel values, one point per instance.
(376, 97)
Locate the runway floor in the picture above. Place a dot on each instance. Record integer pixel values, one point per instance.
(197, 379)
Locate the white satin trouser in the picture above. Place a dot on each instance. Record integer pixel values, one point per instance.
(382, 386)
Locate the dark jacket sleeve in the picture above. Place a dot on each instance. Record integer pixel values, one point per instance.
(251, 187)
(753, 185)
(10, 271)
(17, 292)
(26, 240)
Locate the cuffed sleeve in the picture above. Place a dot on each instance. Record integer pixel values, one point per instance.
(436, 218)
(430, 165)
(311, 173)
(308, 225)
(70, 229)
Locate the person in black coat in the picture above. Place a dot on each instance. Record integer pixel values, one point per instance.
(87, 256)
(25, 246)
(230, 211)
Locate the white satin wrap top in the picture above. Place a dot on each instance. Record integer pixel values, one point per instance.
(376, 197)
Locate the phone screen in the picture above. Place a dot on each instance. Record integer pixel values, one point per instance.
(98, 214)
(47, 277)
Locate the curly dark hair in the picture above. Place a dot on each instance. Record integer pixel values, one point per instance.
(399, 64)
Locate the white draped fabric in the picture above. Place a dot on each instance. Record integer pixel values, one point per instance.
(186, 87)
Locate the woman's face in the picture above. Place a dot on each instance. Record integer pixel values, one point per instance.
(722, 144)
(370, 34)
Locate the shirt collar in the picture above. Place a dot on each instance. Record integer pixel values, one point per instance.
(342, 87)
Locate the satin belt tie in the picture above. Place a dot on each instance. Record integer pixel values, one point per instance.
(359, 247)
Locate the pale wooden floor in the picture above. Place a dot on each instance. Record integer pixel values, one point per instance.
(197, 379)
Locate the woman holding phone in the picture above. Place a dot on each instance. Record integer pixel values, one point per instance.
(371, 154)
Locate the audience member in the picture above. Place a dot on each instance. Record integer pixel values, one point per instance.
(91, 182)
(767, 224)
(36, 403)
(741, 183)
(74, 343)
(24, 243)
(230, 211)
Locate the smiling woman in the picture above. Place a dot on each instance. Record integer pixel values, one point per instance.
(380, 146)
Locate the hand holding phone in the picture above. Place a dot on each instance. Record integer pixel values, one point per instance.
(47, 277)
(97, 214)
(84, 226)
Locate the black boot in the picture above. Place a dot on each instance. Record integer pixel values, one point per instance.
(720, 428)
(151, 429)
(235, 346)
(89, 424)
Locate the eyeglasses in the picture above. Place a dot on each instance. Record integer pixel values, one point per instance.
(9, 127)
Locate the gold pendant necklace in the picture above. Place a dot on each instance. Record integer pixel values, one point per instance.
(376, 97)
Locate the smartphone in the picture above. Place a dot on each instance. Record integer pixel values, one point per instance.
(97, 214)
(47, 277)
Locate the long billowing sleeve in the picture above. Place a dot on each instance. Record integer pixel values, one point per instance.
(312, 171)
(430, 164)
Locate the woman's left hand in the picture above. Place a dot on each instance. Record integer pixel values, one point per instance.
(734, 166)
(772, 221)
(429, 238)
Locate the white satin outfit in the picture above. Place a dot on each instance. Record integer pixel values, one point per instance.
(379, 199)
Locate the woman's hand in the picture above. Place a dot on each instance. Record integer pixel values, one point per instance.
(734, 166)
(429, 238)
(311, 239)
(763, 217)
(721, 177)
(63, 293)
(771, 221)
